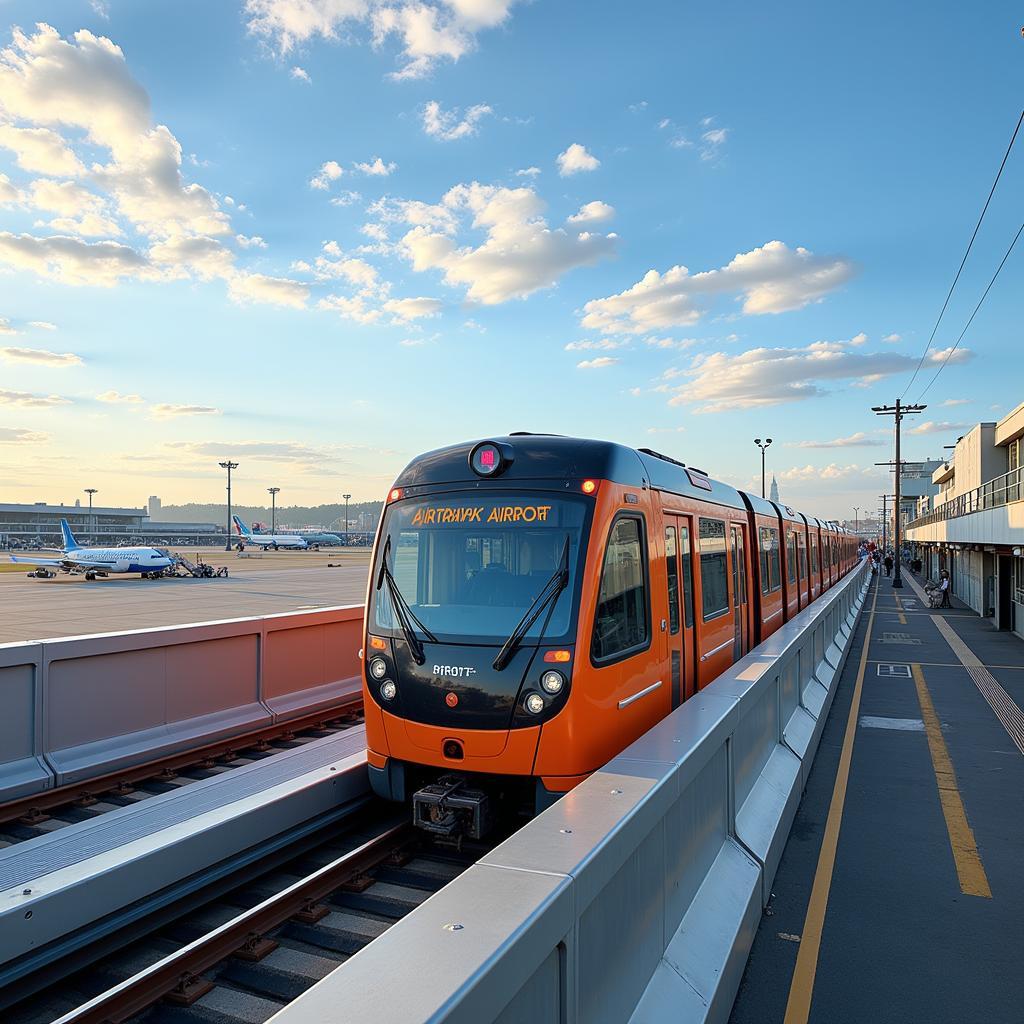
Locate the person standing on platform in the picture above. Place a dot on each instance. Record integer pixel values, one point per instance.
(888, 565)
(944, 587)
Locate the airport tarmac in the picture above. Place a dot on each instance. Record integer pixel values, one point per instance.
(266, 583)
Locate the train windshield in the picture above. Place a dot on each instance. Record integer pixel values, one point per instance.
(470, 565)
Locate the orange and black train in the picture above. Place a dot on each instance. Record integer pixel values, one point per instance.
(538, 602)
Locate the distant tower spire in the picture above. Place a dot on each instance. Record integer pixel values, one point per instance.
(774, 492)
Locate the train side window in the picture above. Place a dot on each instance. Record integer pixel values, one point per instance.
(714, 575)
(672, 570)
(814, 555)
(771, 571)
(684, 546)
(802, 551)
(791, 556)
(620, 624)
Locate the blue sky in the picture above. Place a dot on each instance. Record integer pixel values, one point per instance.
(320, 236)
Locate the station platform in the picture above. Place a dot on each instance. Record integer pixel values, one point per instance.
(899, 896)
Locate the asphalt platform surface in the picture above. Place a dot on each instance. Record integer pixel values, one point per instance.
(906, 903)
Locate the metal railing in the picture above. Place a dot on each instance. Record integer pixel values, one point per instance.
(997, 492)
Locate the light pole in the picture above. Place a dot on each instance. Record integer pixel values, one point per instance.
(346, 497)
(856, 519)
(762, 445)
(229, 465)
(273, 492)
(92, 525)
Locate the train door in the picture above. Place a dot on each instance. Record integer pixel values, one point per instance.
(679, 570)
(741, 642)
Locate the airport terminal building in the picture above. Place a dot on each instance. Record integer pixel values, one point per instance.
(38, 525)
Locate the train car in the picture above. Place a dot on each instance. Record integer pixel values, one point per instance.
(536, 603)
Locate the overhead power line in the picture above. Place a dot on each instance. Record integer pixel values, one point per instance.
(970, 245)
(984, 295)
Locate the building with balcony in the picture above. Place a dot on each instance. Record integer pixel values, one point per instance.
(975, 525)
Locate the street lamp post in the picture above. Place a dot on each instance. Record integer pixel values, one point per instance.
(273, 492)
(92, 525)
(856, 519)
(762, 445)
(346, 497)
(229, 465)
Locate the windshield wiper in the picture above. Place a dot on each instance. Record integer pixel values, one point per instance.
(558, 581)
(403, 612)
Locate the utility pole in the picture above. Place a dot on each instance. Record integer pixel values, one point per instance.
(273, 491)
(346, 497)
(897, 411)
(885, 522)
(762, 445)
(92, 523)
(229, 465)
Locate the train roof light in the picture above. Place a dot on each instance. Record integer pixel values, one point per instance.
(489, 458)
(396, 493)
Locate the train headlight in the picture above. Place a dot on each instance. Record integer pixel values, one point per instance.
(534, 703)
(552, 682)
(388, 690)
(378, 668)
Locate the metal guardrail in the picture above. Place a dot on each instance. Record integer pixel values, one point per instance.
(997, 492)
(75, 708)
(637, 896)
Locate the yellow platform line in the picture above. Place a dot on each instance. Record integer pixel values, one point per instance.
(801, 988)
(969, 869)
(899, 605)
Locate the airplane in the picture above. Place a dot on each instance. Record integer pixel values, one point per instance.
(99, 561)
(267, 540)
(326, 540)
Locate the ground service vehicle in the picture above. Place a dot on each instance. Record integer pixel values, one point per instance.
(537, 602)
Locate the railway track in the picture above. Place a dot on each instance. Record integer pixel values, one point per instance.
(243, 956)
(43, 813)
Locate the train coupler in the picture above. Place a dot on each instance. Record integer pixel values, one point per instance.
(448, 808)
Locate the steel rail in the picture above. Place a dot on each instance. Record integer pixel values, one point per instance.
(178, 975)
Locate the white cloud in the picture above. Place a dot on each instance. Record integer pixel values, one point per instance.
(593, 213)
(250, 241)
(71, 260)
(938, 427)
(301, 74)
(274, 291)
(345, 198)
(42, 325)
(116, 398)
(40, 356)
(892, 339)
(858, 440)
(771, 279)
(428, 31)
(666, 430)
(712, 141)
(447, 125)
(6, 328)
(671, 343)
(329, 171)
(30, 401)
(600, 344)
(597, 364)
(81, 212)
(833, 471)
(520, 254)
(376, 167)
(377, 232)
(18, 435)
(528, 172)
(956, 401)
(576, 160)
(41, 150)
(403, 310)
(9, 194)
(168, 410)
(764, 377)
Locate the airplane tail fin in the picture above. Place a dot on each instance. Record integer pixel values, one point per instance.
(69, 538)
(243, 530)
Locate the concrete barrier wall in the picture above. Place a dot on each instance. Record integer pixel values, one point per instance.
(636, 897)
(79, 707)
